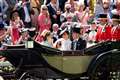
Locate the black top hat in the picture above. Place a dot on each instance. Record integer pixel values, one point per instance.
(32, 32)
(76, 30)
(116, 17)
(102, 16)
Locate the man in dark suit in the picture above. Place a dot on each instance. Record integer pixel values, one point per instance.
(24, 11)
(78, 43)
(61, 3)
(54, 11)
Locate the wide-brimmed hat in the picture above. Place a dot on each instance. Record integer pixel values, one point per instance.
(23, 30)
(32, 29)
(43, 34)
(63, 31)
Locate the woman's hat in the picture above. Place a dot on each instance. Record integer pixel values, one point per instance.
(43, 34)
(23, 30)
(32, 29)
(63, 31)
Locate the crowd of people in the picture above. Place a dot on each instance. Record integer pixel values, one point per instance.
(61, 24)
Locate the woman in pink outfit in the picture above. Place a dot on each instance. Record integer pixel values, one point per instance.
(44, 21)
(82, 15)
(16, 24)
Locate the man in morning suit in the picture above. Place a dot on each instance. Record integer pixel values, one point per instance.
(78, 43)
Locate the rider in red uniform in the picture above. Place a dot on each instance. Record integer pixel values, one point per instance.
(116, 28)
(104, 29)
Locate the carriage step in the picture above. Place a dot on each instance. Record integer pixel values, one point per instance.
(84, 78)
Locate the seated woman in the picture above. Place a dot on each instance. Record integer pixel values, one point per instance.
(64, 43)
(24, 36)
(47, 38)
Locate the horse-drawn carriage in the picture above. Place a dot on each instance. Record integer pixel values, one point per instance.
(33, 61)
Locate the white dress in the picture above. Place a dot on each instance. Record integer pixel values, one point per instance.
(65, 44)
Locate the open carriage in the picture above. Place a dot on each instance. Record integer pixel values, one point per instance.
(36, 62)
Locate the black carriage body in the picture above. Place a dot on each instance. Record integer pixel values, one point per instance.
(34, 61)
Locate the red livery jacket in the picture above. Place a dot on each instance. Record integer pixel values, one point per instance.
(104, 33)
(116, 33)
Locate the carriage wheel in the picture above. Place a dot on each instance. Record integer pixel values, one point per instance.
(32, 75)
(107, 69)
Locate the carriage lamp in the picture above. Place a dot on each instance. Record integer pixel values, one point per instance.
(29, 44)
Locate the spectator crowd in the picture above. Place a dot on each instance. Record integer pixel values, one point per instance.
(61, 24)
